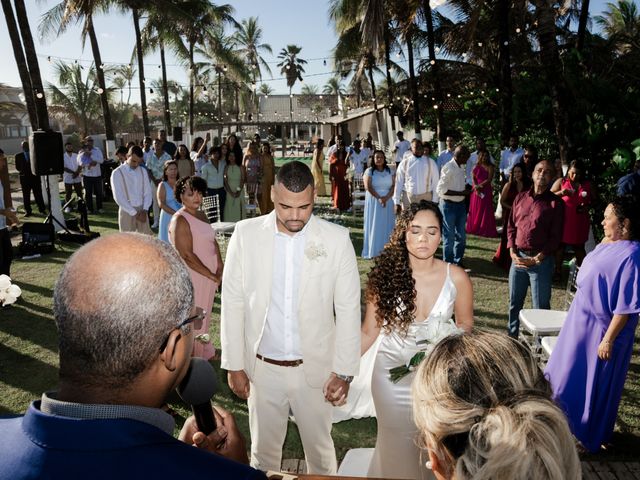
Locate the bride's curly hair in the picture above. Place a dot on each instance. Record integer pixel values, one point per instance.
(390, 283)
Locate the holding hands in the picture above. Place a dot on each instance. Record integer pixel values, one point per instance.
(335, 390)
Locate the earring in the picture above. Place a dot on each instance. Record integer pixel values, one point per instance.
(429, 465)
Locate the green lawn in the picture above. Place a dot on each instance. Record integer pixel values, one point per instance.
(28, 344)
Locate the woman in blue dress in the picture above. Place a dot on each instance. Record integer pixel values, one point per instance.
(379, 214)
(589, 364)
(167, 199)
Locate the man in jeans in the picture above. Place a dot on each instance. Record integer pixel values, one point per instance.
(534, 232)
(452, 191)
(91, 174)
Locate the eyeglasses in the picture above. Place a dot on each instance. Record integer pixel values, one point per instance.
(196, 319)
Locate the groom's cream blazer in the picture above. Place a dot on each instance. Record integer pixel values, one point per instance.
(328, 307)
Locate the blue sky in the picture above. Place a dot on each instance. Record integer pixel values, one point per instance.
(302, 22)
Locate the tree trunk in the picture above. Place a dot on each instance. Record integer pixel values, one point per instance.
(582, 25)
(191, 94)
(553, 69)
(414, 87)
(220, 105)
(23, 70)
(387, 61)
(143, 90)
(165, 90)
(237, 92)
(441, 134)
(104, 101)
(504, 61)
(34, 69)
(375, 101)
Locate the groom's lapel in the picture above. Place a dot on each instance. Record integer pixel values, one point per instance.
(264, 263)
(313, 239)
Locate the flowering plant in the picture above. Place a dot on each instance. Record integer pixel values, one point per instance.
(427, 336)
(314, 251)
(9, 293)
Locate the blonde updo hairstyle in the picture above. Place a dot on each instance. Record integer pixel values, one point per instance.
(484, 409)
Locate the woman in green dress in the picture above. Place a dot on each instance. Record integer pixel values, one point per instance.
(234, 180)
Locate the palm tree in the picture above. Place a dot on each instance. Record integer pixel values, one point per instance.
(308, 89)
(334, 87)
(75, 96)
(292, 67)
(55, 22)
(123, 76)
(265, 89)
(21, 62)
(621, 24)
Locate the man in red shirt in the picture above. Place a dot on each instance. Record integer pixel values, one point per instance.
(534, 232)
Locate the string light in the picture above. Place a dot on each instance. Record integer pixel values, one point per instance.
(100, 91)
(518, 30)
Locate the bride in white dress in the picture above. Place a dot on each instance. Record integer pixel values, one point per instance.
(411, 297)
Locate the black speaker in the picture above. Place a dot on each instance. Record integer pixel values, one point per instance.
(46, 152)
(177, 134)
(36, 238)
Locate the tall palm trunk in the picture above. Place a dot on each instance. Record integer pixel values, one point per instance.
(291, 112)
(553, 69)
(165, 90)
(143, 90)
(504, 61)
(191, 93)
(237, 92)
(34, 69)
(441, 134)
(582, 25)
(413, 85)
(387, 61)
(23, 70)
(104, 101)
(375, 100)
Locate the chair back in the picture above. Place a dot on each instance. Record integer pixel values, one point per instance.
(211, 208)
(572, 287)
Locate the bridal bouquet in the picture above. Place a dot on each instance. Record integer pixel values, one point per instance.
(9, 293)
(427, 335)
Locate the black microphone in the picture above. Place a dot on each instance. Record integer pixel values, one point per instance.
(197, 388)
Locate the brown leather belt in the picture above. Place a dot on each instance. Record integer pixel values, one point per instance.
(280, 363)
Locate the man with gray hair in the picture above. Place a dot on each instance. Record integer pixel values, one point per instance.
(290, 322)
(119, 359)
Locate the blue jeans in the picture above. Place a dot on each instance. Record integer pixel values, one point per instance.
(540, 277)
(454, 235)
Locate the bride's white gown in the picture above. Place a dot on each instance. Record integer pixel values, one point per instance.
(396, 454)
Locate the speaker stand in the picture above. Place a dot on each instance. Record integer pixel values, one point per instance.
(51, 219)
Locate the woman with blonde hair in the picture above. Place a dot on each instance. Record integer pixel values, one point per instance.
(484, 411)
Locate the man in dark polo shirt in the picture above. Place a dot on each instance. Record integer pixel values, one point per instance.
(534, 232)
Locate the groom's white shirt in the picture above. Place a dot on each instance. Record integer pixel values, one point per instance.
(328, 307)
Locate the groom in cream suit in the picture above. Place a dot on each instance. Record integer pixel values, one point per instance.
(291, 322)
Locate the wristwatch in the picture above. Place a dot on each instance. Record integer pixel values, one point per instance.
(344, 378)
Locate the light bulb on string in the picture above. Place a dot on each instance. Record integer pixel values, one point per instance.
(479, 44)
(151, 91)
(518, 30)
(100, 91)
(39, 95)
(324, 62)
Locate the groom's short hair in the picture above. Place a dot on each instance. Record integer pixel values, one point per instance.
(295, 176)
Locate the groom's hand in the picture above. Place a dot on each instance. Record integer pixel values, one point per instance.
(335, 391)
(239, 383)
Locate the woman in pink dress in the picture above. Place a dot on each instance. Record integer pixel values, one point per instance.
(194, 239)
(481, 220)
(576, 194)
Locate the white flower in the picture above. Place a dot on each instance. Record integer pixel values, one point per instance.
(203, 338)
(8, 293)
(314, 251)
(435, 330)
(5, 282)
(583, 194)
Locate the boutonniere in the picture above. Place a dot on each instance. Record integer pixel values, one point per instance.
(203, 338)
(314, 251)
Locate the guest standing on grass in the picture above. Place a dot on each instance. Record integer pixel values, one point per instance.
(416, 178)
(481, 220)
(7, 218)
(199, 152)
(29, 182)
(268, 177)
(317, 165)
(252, 164)
(338, 166)
(155, 165)
(132, 193)
(195, 240)
(234, 181)
(186, 167)
(167, 199)
(213, 173)
(589, 364)
(379, 214)
(533, 236)
(518, 181)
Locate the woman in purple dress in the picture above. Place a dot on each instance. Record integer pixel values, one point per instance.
(589, 364)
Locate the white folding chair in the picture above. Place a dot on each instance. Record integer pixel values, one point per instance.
(536, 323)
(548, 344)
(211, 208)
(251, 200)
(357, 194)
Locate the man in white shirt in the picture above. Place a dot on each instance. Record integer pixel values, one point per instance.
(290, 322)
(416, 178)
(401, 147)
(334, 147)
(358, 159)
(155, 167)
(446, 155)
(71, 175)
(92, 175)
(453, 190)
(509, 157)
(481, 146)
(132, 192)
(147, 151)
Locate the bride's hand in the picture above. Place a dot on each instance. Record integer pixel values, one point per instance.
(335, 391)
